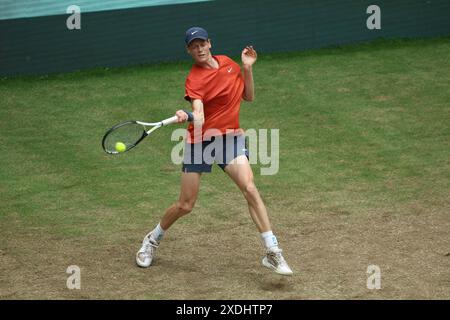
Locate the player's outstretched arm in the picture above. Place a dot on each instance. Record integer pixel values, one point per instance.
(248, 57)
(197, 108)
(197, 111)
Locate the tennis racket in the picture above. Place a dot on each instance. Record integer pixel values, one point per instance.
(126, 135)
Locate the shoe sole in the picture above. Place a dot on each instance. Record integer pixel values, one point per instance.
(271, 267)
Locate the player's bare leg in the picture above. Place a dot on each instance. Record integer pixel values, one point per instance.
(241, 173)
(190, 185)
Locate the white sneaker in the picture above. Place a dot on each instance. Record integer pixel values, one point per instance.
(145, 254)
(275, 261)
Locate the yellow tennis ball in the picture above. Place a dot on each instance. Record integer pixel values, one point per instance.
(120, 147)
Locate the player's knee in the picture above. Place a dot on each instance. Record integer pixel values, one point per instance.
(184, 207)
(250, 190)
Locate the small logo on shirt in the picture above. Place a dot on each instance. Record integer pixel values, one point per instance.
(230, 69)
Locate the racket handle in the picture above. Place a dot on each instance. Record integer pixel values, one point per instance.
(174, 119)
(170, 120)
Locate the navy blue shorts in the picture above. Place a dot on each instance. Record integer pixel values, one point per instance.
(199, 157)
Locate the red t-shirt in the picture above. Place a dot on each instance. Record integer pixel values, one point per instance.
(221, 92)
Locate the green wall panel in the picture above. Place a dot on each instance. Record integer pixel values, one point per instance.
(38, 45)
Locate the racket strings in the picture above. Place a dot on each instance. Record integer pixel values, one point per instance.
(129, 134)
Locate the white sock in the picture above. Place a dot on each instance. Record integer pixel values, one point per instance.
(158, 233)
(269, 240)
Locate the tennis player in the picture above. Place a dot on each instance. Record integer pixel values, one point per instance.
(215, 87)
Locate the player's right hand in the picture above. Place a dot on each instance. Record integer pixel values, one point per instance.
(181, 115)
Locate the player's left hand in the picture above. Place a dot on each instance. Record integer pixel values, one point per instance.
(248, 56)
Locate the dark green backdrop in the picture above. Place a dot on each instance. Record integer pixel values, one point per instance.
(141, 35)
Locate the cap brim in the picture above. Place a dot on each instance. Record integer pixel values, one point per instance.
(199, 37)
